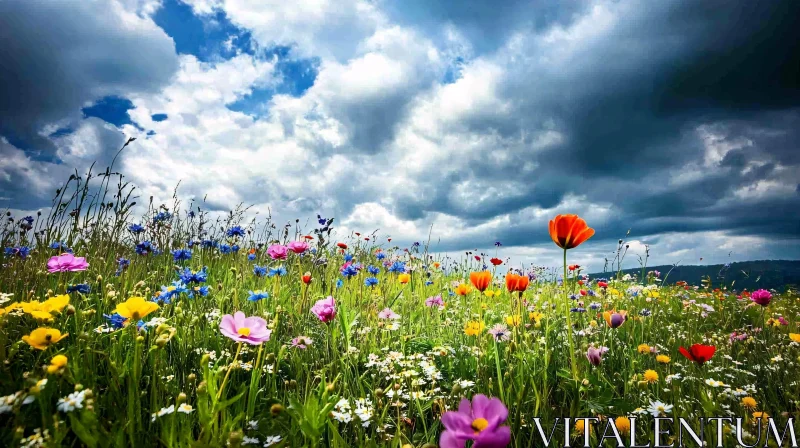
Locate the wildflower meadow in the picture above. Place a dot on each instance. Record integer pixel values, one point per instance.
(176, 327)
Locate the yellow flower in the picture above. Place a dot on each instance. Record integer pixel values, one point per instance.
(57, 364)
(623, 424)
(760, 415)
(43, 337)
(490, 293)
(651, 376)
(643, 349)
(749, 402)
(514, 320)
(663, 359)
(474, 328)
(580, 426)
(135, 308)
(44, 310)
(535, 316)
(795, 337)
(463, 289)
(404, 278)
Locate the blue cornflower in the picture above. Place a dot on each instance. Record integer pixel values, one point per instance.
(181, 254)
(188, 277)
(428, 283)
(136, 228)
(322, 221)
(209, 244)
(161, 216)
(115, 320)
(255, 296)
(349, 271)
(19, 251)
(82, 288)
(348, 257)
(380, 256)
(259, 271)
(594, 305)
(61, 246)
(370, 281)
(398, 267)
(167, 293)
(373, 270)
(202, 290)
(591, 293)
(578, 310)
(645, 312)
(235, 248)
(146, 247)
(27, 221)
(339, 283)
(235, 231)
(122, 264)
(280, 271)
(191, 214)
(225, 249)
(251, 257)
(416, 244)
(573, 297)
(498, 243)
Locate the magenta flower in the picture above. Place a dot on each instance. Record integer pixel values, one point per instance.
(325, 309)
(66, 263)
(252, 330)
(595, 355)
(297, 247)
(479, 421)
(277, 252)
(761, 297)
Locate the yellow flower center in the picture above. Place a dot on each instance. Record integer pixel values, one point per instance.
(479, 424)
(244, 331)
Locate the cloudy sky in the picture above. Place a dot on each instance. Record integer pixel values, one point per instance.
(478, 119)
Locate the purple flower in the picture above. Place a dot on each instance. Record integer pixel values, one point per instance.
(66, 263)
(595, 355)
(761, 297)
(240, 328)
(325, 309)
(297, 247)
(479, 421)
(277, 252)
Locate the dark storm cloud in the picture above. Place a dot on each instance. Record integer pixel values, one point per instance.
(56, 57)
(629, 104)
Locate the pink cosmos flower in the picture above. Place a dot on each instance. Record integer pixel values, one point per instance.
(761, 297)
(302, 342)
(434, 301)
(297, 247)
(387, 313)
(66, 263)
(240, 328)
(325, 309)
(277, 252)
(479, 421)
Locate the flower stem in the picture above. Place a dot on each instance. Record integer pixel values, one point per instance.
(499, 372)
(228, 372)
(573, 363)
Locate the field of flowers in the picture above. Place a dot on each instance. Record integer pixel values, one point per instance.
(173, 329)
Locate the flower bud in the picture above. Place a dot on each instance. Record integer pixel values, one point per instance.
(276, 409)
(202, 388)
(235, 438)
(181, 398)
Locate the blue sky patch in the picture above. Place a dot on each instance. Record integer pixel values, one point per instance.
(112, 109)
(158, 117)
(208, 37)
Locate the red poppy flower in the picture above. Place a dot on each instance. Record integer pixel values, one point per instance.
(341, 245)
(307, 278)
(583, 292)
(496, 261)
(390, 240)
(252, 251)
(602, 284)
(308, 237)
(580, 282)
(366, 239)
(699, 353)
(572, 267)
(358, 234)
(569, 231)
(477, 258)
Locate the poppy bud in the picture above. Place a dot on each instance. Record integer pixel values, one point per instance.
(192, 378)
(181, 398)
(379, 392)
(202, 388)
(235, 438)
(292, 384)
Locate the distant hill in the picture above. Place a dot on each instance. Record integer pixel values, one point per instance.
(767, 274)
